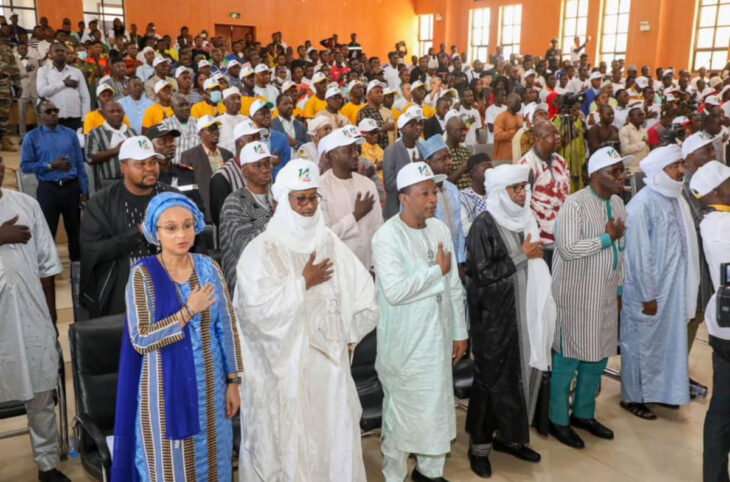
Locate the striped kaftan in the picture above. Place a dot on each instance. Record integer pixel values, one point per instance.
(587, 276)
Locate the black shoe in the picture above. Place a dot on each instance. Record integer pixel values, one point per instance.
(521, 451)
(480, 465)
(566, 436)
(593, 426)
(416, 476)
(53, 475)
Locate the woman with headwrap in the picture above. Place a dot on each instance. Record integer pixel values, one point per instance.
(302, 296)
(512, 317)
(180, 360)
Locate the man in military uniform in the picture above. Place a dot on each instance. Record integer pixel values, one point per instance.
(9, 89)
(178, 176)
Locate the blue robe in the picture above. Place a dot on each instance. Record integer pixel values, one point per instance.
(654, 348)
(457, 233)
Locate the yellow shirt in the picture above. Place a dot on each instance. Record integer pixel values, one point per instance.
(428, 111)
(350, 111)
(94, 119)
(155, 114)
(314, 105)
(296, 113)
(373, 153)
(246, 102)
(203, 108)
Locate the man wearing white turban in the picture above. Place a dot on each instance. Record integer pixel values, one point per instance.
(302, 296)
(512, 316)
(662, 282)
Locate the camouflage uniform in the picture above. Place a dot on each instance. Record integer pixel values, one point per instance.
(9, 77)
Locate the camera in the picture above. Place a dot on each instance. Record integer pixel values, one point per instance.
(567, 101)
(722, 298)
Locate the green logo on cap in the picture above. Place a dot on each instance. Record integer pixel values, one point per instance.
(424, 171)
(305, 175)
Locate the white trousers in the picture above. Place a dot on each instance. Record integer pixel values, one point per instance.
(43, 432)
(395, 463)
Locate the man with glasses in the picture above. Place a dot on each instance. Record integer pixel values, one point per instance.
(111, 237)
(349, 198)
(588, 274)
(52, 152)
(662, 284)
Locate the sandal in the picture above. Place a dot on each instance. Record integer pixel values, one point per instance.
(639, 409)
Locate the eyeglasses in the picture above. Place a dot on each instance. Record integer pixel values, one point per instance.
(518, 188)
(304, 200)
(51, 111)
(172, 229)
(616, 172)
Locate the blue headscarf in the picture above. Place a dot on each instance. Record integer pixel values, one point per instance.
(161, 203)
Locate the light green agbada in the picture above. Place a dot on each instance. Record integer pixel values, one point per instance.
(421, 315)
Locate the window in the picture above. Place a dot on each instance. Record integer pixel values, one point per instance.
(479, 34)
(425, 33)
(510, 33)
(105, 11)
(712, 34)
(26, 12)
(575, 23)
(615, 30)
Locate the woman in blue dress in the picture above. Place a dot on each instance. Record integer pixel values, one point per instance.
(181, 358)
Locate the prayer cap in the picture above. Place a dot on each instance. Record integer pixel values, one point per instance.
(254, 152)
(296, 175)
(505, 175)
(331, 92)
(161, 84)
(368, 125)
(137, 148)
(708, 177)
(205, 122)
(317, 123)
(103, 87)
(412, 113)
(344, 136)
(246, 128)
(431, 146)
(416, 172)
(257, 105)
(660, 158)
(694, 142)
(604, 157)
(161, 203)
(231, 91)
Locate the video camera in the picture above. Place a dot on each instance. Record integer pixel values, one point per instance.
(722, 298)
(567, 101)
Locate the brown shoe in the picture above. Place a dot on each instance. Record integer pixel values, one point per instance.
(8, 146)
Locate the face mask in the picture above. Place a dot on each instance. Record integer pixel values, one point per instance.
(82, 55)
(216, 96)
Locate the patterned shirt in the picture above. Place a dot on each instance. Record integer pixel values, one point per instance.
(100, 139)
(459, 157)
(368, 112)
(188, 135)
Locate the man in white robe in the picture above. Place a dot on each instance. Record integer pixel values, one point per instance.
(28, 354)
(302, 296)
(422, 329)
(350, 201)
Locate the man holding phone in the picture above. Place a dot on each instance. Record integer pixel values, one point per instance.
(53, 153)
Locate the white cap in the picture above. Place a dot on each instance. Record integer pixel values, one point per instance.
(531, 108)
(245, 71)
(102, 87)
(254, 152)
(261, 68)
(161, 84)
(595, 75)
(137, 148)
(416, 172)
(712, 100)
(679, 120)
(147, 49)
(388, 91)
(230, 91)
(317, 123)
(412, 113)
(257, 105)
(367, 125)
(352, 84)
(210, 84)
(708, 177)
(318, 77)
(288, 84)
(373, 84)
(604, 157)
(528, 73)
(452, 91)
(331, 92)
(417, 84)
(297, 175)
(181, 70)
(344, 136)
(451, 113)
(694, 142)
(159, 60)
(232, 63)
(205, 122)
(246, 128)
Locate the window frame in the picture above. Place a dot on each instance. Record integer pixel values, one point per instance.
(614, 54)
(566, 41)
(104, 17)
(695, 37)
(6, 6)
(475, 48)
(425, 43)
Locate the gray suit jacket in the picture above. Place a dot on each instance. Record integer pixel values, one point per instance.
(300, 131)
(197, 159)
(395, 157)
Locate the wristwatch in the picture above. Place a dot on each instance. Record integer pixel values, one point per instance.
(234, 380)
(50, 166)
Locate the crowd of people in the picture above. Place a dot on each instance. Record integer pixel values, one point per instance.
(531, 213)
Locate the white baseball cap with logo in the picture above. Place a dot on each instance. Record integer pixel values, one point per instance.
(160, 60)
(206, 121)
(412, 113)
(708, 178)
(137, 148)
(344, 136)
(202, 63)
(161, 84)
(231, 91)
(373, 84)
(257, 105)
(318, 77)
(210, 84)
(245, 71)
(694, 142)
(416, 172)
(417, 84)
(102, 88)
(246, 128)
(368, 125)
(181, 70)
(288, 84)
(331, 92)
(254, 152)
(232, 63)
(604, 157)
(261, 68)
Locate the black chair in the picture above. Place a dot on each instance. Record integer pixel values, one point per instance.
(95, 347)
(366, 381)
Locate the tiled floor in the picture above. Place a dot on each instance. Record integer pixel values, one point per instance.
(665, 450)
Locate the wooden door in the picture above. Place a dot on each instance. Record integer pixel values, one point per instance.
(233, 32)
